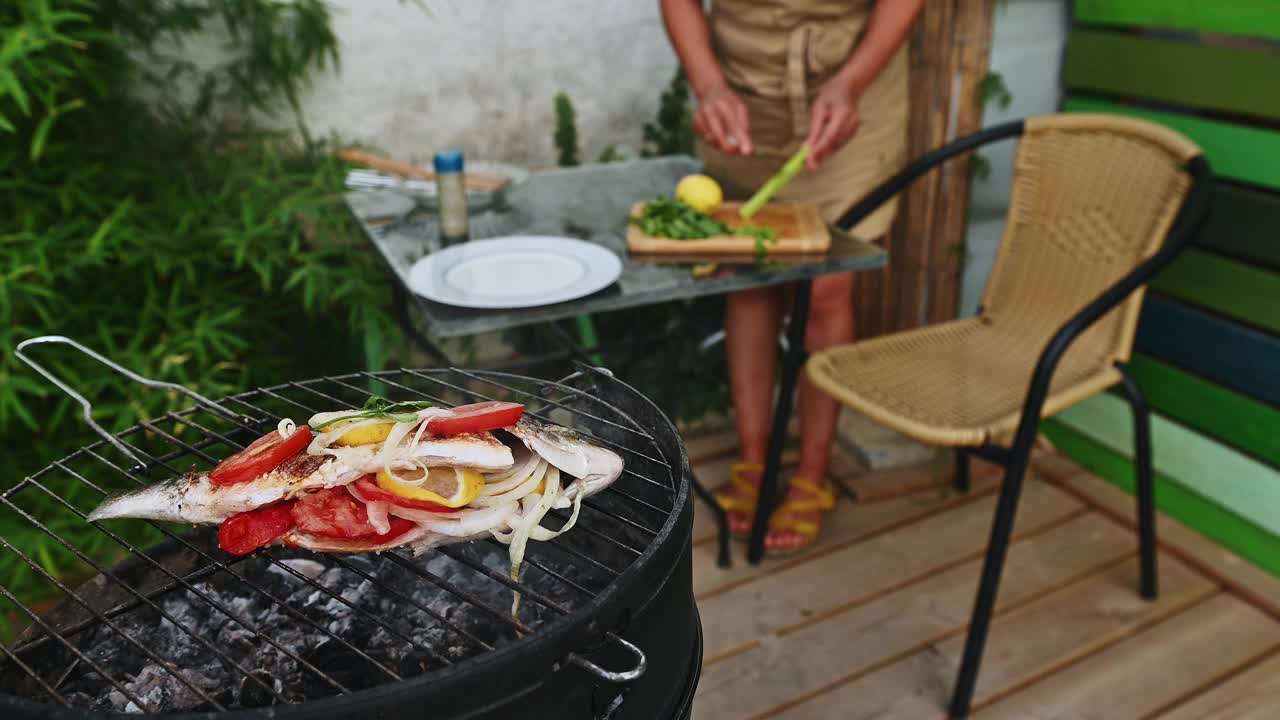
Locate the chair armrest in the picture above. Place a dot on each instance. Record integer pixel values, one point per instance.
(1191, 217)
(922, 165)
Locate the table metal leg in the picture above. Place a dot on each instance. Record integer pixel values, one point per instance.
(792, 361)
(722, 520)
(400, 300)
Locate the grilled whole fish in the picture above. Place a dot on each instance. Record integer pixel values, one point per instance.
(546, 455)
(194, 499)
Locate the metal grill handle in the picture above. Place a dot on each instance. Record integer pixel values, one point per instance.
(608, 675)
(88, 407)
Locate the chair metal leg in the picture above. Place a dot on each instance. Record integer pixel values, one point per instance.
(989, 585)
(1145, 490)
(961, 479)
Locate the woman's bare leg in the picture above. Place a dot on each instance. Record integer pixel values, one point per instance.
(830, 323)
(752, 320)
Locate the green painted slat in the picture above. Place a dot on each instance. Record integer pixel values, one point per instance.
(1223, 527)
(1224, 351)
(1254, 18)
(1231, 79)
(1231, 417)
(1238, 483)
(1243, 225)
(1242, 153)
(1225, 286)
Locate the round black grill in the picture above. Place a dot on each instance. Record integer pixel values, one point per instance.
(154, 618)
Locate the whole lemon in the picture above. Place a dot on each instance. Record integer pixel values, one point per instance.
(700, 193)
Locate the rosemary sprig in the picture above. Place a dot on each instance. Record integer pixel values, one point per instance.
(380, 407)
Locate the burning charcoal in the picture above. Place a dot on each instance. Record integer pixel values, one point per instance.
(250, 692)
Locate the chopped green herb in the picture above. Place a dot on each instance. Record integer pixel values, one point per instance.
(379, 407)
(668, 218)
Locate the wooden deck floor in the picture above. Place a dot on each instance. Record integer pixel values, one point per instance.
(870, 623)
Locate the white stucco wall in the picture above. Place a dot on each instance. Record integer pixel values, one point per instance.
(1027, 43)
(481, 75)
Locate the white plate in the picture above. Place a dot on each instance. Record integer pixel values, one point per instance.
(514, 272)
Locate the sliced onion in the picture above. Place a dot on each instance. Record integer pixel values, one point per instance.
(377, 511)
(528, 485)
(464, 523)
(542, 534)
(286, 428)
(530, 519)
(511, 478)
(417, 515)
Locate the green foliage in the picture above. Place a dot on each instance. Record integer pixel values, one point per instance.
(993, 89)
(609, 154)
(671, 132)
(566, 137)
(167, 229)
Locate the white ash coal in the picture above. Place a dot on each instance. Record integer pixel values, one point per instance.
(370, 617)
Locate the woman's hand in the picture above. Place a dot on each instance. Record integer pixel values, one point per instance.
(721, 119)
(833, 121)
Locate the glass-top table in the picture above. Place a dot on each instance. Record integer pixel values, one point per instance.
(590, 203)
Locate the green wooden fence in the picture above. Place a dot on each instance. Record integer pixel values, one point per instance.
(1207, 353)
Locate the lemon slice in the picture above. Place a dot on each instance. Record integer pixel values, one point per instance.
(365, 435)
(448, 486)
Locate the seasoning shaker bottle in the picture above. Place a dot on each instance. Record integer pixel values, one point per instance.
(452, 197)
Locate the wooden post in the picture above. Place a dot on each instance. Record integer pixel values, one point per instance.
(949, 56)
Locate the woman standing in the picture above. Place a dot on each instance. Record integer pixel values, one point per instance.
(770, 76)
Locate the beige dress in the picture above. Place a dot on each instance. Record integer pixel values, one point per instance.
(776, 55)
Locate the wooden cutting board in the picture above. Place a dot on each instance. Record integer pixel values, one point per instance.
(800, 230)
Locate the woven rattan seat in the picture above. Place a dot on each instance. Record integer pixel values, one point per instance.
(1093, 196)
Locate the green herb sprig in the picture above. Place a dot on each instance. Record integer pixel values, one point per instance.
(670, 218)
(380, 407)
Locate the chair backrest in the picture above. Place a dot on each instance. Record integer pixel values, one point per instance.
(1093, 196)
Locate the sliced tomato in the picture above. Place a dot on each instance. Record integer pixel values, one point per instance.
(334, 513)
(264, 455)
(399, 526)
(245, 532)
(477, 417)
(370, 491)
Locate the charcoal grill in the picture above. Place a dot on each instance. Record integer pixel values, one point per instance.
(154, 618)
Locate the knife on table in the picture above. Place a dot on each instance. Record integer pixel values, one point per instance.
(771, 186)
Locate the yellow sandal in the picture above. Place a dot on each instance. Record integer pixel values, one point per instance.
(743, 495)
(784, 520)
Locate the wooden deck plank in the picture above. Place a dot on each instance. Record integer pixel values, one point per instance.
(1140, 675)
(848, 523)
(1254, 694)
(734, 620)
(710, 445)
(1255, 585)
(1024, 645)
(796, 665)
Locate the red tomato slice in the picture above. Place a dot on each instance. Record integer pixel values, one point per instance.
(264, 455)
(333, 513)
(399, 526)
(477, 417)
(245, 532)
(370, 491)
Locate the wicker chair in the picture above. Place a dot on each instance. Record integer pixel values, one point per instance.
(1099, 204)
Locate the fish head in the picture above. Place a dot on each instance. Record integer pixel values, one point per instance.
(595, 467)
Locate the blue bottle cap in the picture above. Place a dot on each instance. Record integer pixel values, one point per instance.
(448, 161)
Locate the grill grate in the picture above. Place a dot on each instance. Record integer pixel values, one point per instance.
(460, 592)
